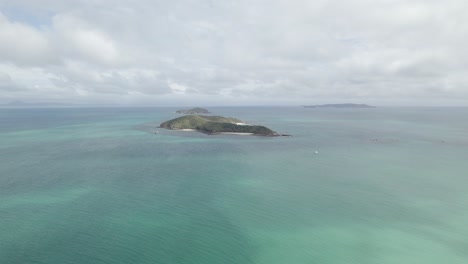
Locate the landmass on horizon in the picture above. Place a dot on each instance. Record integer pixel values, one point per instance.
(214, 125)
(339, 106)
(193, 111)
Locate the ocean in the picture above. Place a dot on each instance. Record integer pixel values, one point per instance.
(96, 185)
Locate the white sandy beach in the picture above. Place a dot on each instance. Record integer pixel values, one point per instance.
(220, 133)
(235, 133)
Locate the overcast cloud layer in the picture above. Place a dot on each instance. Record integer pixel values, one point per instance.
(390, 52)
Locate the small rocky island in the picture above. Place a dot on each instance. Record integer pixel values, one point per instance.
(193, 111)
(339, 106)
(213, 125)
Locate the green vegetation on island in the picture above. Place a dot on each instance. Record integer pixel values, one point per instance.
(216, 125)
(339, 106)
(193, 111)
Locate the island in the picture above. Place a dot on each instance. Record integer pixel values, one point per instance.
(339, 106)
(193, 111)
(213, 125)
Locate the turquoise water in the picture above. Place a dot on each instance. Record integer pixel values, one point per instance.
(388, 185)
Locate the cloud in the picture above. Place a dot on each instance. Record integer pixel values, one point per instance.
(6, 84)
(80, 40)
(24, 45)
(270, 51)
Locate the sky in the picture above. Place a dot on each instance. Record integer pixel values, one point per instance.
(241, 52)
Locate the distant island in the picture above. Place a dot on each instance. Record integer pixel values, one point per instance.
(339, 106)
(193, 111)
(21, 104)
(213, 125)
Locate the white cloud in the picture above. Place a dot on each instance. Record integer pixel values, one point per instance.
(79, 40)
(278, 51)
(23, 44)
